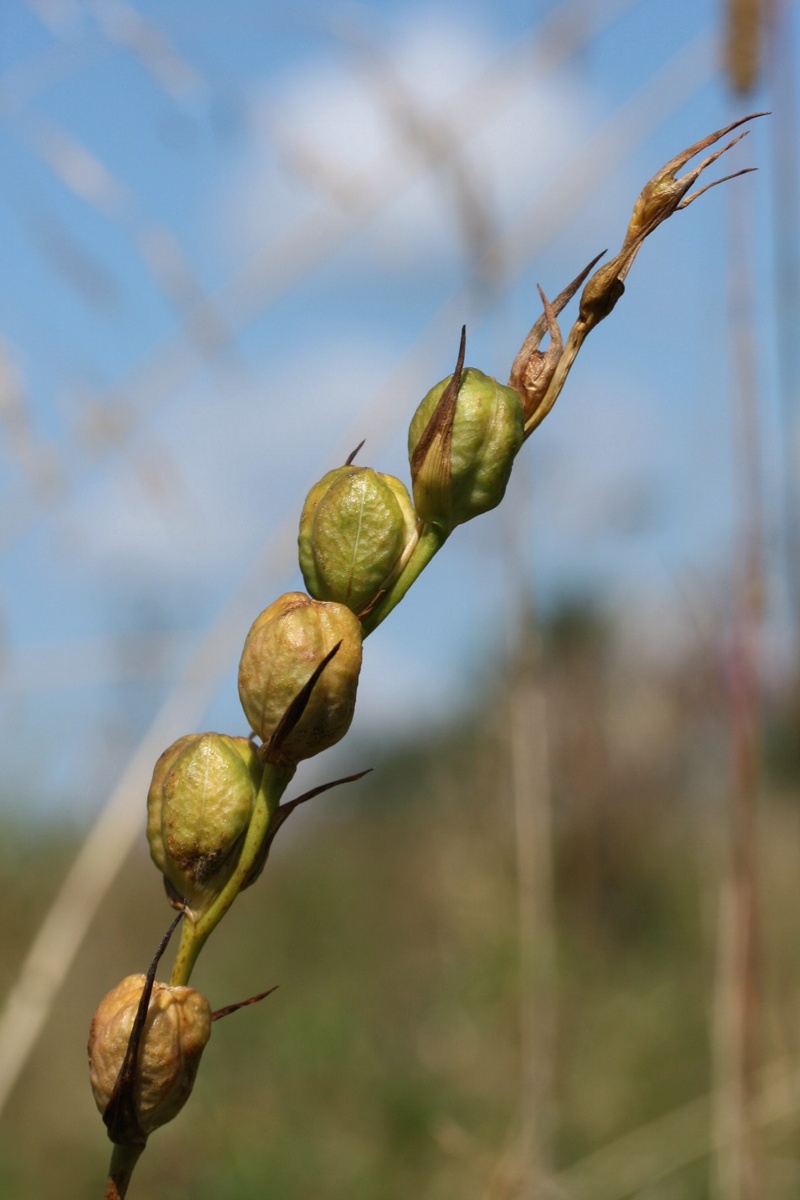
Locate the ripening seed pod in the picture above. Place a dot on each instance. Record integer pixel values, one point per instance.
(176, 1031)
(199, 807)
(285, 645)
(461, 445)
(357, 532)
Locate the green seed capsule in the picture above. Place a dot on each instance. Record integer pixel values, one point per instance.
(198, 810)
(357, 531)
(285, 645)
(461, 444)
(176, 1032)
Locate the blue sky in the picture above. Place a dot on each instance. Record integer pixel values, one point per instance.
(228, 258)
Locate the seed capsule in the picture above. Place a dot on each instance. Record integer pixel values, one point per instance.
(357, 531)
(461, 444)
(198, 810)
(175, 1034)
(285, 645)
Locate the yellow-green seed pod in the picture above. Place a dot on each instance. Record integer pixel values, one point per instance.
(198, 810)
(175, 1034)
(357, 532)
(285, 645)
(461, 444)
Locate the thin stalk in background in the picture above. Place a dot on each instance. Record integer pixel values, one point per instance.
(739, 1166)
(538, 1011)
(786, 307)
(524, 733)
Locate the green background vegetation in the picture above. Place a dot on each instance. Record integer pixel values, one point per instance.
(387, 1064)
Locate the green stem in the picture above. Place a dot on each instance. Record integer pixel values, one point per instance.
(431, 539)
(123, 1160)
(195, 934)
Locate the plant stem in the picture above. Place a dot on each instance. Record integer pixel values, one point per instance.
(430, 541)
(123, 1160)
(195, 934)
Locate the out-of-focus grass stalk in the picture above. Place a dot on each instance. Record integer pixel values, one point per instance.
(530, 793)
(530, 1158)
(785, 176)
(635, 1163)
(738, 1166)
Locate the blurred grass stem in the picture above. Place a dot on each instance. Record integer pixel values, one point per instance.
(785, 130)
(530, 787)
(739, 1170)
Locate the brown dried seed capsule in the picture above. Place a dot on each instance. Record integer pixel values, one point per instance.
(286, 643)
(175, 1034)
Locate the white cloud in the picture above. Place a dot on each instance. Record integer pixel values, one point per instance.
(340, 119)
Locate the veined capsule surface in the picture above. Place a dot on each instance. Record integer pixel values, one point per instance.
(357, 531)
(175, 1034)
(461, 458)
(285, 645)
(199, 806)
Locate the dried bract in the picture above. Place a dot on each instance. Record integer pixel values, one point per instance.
(462, 442)
(663, 195)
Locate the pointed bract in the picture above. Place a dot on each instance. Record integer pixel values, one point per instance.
(462, 442)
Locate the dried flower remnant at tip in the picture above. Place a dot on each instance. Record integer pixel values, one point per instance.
(663, 195)
(533, 368)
